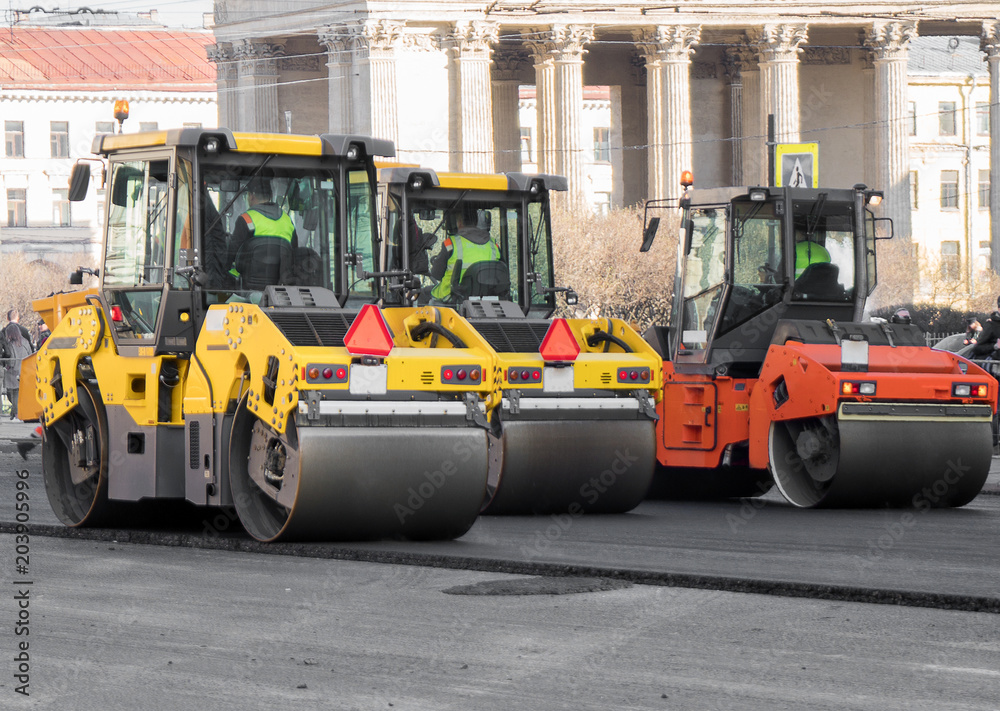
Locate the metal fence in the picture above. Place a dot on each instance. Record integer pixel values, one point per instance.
(993, 368)
(932, 339)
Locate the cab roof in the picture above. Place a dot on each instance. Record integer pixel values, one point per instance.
(514, 182)
(280, 143)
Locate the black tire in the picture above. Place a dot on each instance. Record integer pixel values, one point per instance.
(83, 502)
(261, 516)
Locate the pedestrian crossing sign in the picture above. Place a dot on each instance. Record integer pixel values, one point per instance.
(796, 165)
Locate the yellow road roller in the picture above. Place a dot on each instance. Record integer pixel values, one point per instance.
(575, 429)
(233, 353)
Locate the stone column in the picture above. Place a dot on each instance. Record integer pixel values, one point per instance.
(635, 165)
(221, 55)
(257, 86)
(337, 41)
(779, 79)
(991, 45)
(507, 69)
(559, 80)
(470, 98)
(754, 150)
(373, 90)
(667, 50)
(870, 171)
(737, 62)
(888, 41)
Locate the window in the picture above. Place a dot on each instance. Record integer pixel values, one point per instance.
(602, 203)
(982, 118)
(602, 145)
(153, 125)
(914, 191)
(912, 118)
(984, 189)
(104, 127)
(59, 138)
(946, 118)
(60, 207)
(527, 145)
(137, 233)
(191, 125)
(17, 213)
(950, 261)
(949, 189)
(824, 252)
(15, 138)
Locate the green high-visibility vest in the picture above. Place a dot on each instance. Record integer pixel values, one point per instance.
(470, 253)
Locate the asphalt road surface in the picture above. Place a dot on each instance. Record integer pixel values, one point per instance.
(118, 626)
(201, 624)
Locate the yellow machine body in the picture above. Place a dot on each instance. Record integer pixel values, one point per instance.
(297, 402)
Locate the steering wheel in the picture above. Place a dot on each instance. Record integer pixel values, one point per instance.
(769, 274)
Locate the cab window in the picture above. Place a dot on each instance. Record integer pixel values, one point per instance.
(758, 269)
(824, 252)
(361, 235)
(137, 224)
(135, 256)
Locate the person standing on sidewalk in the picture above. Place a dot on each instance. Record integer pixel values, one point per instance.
(15, 345)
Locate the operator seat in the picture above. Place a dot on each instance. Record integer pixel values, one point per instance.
(265, 261)
(484, 279)
(819, 282)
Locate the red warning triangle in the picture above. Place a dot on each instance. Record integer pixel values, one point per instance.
(369, 334)
(559, 343)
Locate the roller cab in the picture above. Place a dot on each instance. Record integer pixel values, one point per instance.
(233, 356)
(575, 428)
(771, 377)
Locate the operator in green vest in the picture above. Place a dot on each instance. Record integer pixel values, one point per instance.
(807, 253)
(263, 218)
(468, 243)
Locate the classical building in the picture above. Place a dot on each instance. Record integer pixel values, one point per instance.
(691, 84)
(58, 86)
(600, 163)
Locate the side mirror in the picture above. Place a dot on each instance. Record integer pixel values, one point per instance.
(77, 276)
(649, 233)
(887, 227)
(79, 181)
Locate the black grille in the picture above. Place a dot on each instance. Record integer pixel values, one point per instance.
(195, 447)
(317, 328)
(512, 336)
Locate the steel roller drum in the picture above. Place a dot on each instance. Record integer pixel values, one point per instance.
(911, 460)
(572, 466)
(364, 483)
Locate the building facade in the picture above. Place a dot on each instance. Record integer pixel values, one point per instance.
(694, 83)
(948, 125)
(601, 164)
(58, 86)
